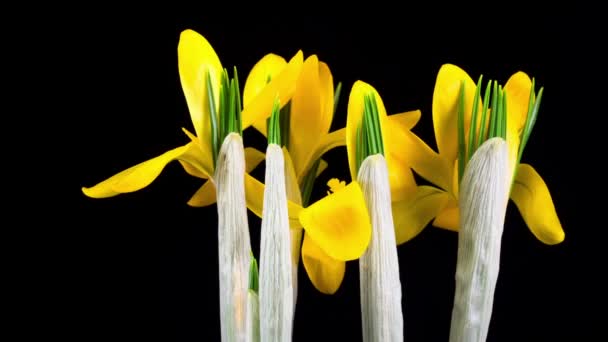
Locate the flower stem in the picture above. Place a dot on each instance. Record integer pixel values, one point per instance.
(380, 286)
(483, 197)
(234, 247)
(276, 291)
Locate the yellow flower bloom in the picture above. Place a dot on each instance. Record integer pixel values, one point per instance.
(529, 191)
(196, 60)
(345, 231)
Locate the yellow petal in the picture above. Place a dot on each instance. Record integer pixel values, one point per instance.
(292, 186)
(532, 197)
(445, 104)
(196, 58)
(191, 170)
(325, 272)
(327, 95)
(401, 178)
(406, 120)
(449, 217)
(135, 177)
(420, 157)
(327, 142)
(254, 196)
(353, 121)
(204, 196)
(264, 70)
(283, 86)
(518, 95)
(307, 122)
(253, 158)
(412, 215)
(339, 223)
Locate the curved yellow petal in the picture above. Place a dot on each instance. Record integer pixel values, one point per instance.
(532, 197)
(322, 167)
(192, 171)
(410, 216)
(325, 272)
(263, 71)
(401, 178)
(406, 120)
(449, 217)
(353, 121)
(518, 95)
(327, 96)
(196, 58)
(327, 142)
(283, 86)
(415, 153)
(254, 197)
(339, 223)
(445, 104)
(306, 118)
(135, 177)
(253, 158)
(204, 196)
(292, 186)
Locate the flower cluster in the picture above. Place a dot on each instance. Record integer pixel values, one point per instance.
(480, 134)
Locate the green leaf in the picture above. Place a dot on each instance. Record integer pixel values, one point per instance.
(253, 274)
(239, 106)
(274, 130)
(337, 96)
(473, 126)
(461, 145)
(308, 182)
(533, 108)
(285, 119)
(484, 115)
(213, 119)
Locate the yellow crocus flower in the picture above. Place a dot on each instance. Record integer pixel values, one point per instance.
(310, 117)
(528, 191)
(196, 60)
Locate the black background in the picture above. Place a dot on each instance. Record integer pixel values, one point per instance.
(143, 266)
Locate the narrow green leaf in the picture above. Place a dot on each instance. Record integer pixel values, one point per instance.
(461, 146)
(358, 146)
(484, 115)
(308, 182)
(499, 113)
(377, 126)
(239, 106)
(285, 119)
(253, 274)
(503, 134)
(213, 118)
(337, 96)
(493, 112)
(369, 126)
(473, 126)
(530, 122)
(274, 131)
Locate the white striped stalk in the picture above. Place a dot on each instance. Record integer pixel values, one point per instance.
(484, 193)
(253, 317)
(381, 313)
(276, 291)
(234, 247)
